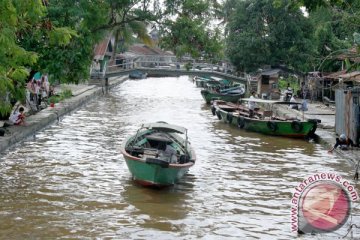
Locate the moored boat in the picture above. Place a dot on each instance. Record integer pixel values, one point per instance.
(137, 75)
(158, 154)
(263, 121)
(229, 95)
(201, 81)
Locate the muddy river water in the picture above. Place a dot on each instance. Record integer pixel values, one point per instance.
(70, 181)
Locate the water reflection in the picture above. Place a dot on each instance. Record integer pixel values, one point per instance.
(71, 181)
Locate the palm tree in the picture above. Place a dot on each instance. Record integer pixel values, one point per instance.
(129, 20)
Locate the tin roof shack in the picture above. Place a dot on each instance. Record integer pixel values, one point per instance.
(339, 79)
(268, 84)
(103, 51)
(347, 119)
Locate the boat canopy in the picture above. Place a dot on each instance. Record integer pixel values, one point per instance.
(259, 100)
(165, 127)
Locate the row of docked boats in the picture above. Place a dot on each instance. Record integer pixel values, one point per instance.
(229, 105)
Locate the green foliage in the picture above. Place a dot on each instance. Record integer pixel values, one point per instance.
(188, 66)
(61, 36)
(16, 17)
(294, 83)
(262, 33)
(54, 99)
(334, 34)
(66, 93)
(189, 32)
(66, 47)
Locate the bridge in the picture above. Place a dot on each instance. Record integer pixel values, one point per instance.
(164, 71)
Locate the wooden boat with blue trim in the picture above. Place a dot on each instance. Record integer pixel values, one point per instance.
(229, 95)
(136, 74)
(159, 154)
(263, 121)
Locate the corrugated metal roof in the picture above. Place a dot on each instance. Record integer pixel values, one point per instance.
(142, 49)
(351, 76)
(101, 48)
(350, 54)
(270, 72)
(334, 75)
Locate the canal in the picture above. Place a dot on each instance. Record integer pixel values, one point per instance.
(70, 181)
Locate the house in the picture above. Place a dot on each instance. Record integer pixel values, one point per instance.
(268, 84)
(103, 51)
(327, 83)
(347, 119)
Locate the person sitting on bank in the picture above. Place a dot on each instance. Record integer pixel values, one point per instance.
(344, 143)
(17, 117)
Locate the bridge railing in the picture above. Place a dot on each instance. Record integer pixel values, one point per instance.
(164, 65)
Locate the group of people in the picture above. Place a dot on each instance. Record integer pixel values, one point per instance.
(38, 90)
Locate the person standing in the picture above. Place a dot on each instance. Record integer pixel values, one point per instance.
(96, 67)
(252, 104)
(288, 93)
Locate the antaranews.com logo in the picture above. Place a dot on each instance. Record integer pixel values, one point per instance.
(321, 203)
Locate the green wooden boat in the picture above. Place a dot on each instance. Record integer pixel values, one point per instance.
(263, 121)
(228, 95)
(159, 154)
(201, 81)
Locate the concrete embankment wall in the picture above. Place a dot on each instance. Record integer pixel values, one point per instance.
(42, 119)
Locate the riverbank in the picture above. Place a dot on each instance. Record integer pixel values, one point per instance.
(81, 94)
(326, 128)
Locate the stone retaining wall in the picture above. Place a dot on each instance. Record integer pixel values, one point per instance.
(46, 117)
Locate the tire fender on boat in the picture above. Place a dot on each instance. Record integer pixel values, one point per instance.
(218, 114)
(213, 109)
(241, 122)
(156, 161)
(272, 126)
(229, 117)
(297, 126)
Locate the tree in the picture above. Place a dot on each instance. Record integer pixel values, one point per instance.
(66, 52)
(185, 29)
(15, 18)
(128, 19)
(261, 32)
(335, 31)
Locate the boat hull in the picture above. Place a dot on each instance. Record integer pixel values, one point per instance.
(295, 129)
(209, 96)
(148, 174)
(137, 75)
(157, 155)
